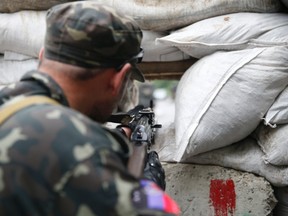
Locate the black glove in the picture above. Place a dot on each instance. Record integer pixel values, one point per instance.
(154, 171)
(135, 110)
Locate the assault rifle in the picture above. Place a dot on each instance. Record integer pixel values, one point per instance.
(142, 123)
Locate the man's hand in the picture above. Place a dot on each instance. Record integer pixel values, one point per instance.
(124, 130)
(127, 127)
(154, 171)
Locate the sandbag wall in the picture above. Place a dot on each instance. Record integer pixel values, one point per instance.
(22, 26)
(231, 103)
(233, 100)
(22, 29)
(22, 35)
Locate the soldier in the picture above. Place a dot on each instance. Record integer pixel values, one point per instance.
(54, 158)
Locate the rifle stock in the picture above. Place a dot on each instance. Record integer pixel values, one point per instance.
(137, 160)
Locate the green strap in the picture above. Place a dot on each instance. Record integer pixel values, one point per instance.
(8, 110)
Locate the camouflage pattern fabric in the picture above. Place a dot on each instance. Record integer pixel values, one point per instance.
(55, 161)
(87, 34)
(33, 83)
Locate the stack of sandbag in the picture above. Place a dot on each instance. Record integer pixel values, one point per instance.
(244, 155)
(22, 33)
(21, 37)
(165, 15)
(271, 135)
(231, 105)
(22, 26)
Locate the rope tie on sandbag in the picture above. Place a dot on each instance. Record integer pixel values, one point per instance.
(269, 124)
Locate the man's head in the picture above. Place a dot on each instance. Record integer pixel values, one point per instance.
(90, 35)
(91, 51)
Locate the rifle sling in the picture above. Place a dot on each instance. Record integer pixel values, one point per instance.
(9, 109)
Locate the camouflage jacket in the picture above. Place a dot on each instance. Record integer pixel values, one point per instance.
(56, 161)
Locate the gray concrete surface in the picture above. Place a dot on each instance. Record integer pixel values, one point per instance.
(202, 190)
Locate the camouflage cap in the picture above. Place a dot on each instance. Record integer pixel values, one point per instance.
(90, 35)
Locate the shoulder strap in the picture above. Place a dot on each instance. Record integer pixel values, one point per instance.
(8, 110)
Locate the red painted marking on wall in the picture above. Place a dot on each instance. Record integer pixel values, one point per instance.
(223, 197)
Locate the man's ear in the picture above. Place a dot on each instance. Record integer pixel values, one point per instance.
(41, 53)
(119, 77)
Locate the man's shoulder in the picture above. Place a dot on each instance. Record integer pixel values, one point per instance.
(54, 130)
(54, 120)
(58, 116)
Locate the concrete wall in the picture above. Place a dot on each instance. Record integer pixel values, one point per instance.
(202, 190)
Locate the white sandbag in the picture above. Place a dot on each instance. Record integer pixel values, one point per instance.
(12, 71)
(223, 97)
(274, 37)
(159, 53)
(274, 143)
(278, 112)
(10, 6)
(163, 15)
(22, 32)
(244, 155)
(229, 32)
